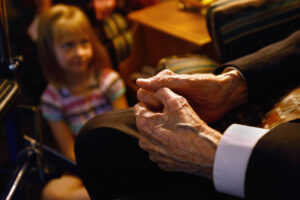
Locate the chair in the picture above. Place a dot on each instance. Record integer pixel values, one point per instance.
(240, 27)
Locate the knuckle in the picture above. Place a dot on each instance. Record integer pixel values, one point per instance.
(164, 90)
(141, 123)
(145, 144)
(152, 157)
(181, 99)
(164, 75)
(177, 101)
(139, 92)
(142, 143)
(136, 109)
(168, 72)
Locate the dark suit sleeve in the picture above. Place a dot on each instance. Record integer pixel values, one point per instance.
(271, 68)
(273, 170)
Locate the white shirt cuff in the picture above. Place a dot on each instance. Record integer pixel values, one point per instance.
(232, 158)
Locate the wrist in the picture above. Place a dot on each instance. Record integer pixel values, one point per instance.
(211, 139)
(235, 86)
(214, 137)
(201, 149)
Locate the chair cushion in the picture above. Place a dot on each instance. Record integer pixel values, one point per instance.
(240, 27)
(187, 64)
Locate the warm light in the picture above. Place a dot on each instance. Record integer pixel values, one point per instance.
(198, 6)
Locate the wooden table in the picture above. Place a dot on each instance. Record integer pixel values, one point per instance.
(163, 30)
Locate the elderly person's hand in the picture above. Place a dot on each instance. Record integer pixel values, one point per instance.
(176, 138)
(211, 96)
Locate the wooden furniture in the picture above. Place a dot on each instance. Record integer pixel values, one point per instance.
(163, 30)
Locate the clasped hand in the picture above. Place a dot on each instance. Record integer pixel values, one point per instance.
(176, 138)
(171, 131)
(209, 95)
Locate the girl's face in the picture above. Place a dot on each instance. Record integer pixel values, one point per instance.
(74, 52)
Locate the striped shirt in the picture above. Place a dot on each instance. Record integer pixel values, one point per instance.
(58, 104)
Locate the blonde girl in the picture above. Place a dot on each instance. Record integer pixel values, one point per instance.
(81, 84)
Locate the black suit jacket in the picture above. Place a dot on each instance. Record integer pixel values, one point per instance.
(274, 167)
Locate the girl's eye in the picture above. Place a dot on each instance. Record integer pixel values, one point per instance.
(68, 45)
(84, 42)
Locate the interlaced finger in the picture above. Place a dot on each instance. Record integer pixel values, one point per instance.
(147, 98)
(170, 100)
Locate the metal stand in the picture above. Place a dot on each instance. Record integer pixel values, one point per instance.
(33, 162)
(28, 158)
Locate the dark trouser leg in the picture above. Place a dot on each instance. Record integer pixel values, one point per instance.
(111, 164)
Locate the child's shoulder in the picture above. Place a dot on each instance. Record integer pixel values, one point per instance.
(107, 78)
(108, 73)
(51, 92)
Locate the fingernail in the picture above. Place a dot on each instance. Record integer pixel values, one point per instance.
(142, 81)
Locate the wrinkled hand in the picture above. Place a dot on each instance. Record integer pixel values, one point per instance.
(210, 96)
(103, 8)
(176, 138)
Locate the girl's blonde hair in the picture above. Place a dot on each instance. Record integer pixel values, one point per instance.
(58, 21)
